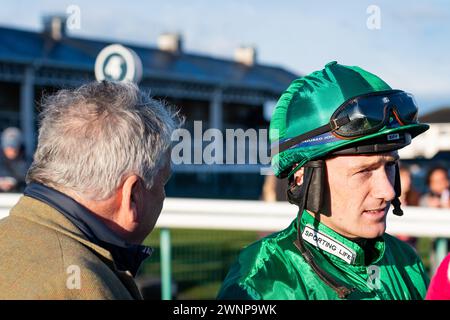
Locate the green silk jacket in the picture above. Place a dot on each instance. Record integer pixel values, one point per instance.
(273, 267)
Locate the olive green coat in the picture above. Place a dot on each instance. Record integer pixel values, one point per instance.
(44, 256)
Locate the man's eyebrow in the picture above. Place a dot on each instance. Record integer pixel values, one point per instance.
(389, 158)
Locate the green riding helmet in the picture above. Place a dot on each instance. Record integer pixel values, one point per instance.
(337, 110)
(310, 102)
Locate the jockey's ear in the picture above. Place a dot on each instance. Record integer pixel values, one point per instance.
(298, 176)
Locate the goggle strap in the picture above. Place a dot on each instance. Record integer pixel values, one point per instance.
(331, 126)
(300, 138)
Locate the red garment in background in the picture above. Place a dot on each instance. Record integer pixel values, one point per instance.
(439, 288)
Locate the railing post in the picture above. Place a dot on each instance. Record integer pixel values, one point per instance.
(27, 115)
(441, 251)
(166, 271)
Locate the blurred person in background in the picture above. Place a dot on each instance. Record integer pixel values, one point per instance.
(273, 190)
(13, 164)
(338, 132)
(409, 197)
(437, 196)
(438, 188)
(95, 191)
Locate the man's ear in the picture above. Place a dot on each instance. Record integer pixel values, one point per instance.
(294, 189)
(128, 204)
(298, 176)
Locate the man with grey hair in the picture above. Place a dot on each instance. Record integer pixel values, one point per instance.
(95, 190)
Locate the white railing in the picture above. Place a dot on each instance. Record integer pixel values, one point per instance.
(7, 201)
(269, 216)
(272, 216)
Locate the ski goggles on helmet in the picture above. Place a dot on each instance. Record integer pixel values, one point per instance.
(364, 115)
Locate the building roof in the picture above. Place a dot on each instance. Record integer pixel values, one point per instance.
(78, 53)
(438, 116)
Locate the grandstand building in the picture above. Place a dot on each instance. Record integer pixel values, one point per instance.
(221, 93)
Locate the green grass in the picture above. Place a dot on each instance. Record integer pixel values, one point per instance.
(200, 259)
(424, 248)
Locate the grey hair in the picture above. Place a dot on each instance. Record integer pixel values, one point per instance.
(92, 137)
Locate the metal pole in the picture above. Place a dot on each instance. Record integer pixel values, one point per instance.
(216, 110)
(166, 272)
(441, 251)
(27, 115)
(216, 121)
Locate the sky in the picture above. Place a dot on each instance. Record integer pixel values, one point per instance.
(406, 43)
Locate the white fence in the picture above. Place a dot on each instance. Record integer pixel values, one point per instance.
(264, 216)
(258, 215)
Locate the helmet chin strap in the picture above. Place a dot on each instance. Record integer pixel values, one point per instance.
(310, 195)
(398, 191)
(313, 174)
